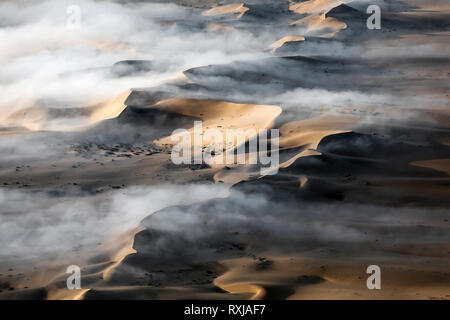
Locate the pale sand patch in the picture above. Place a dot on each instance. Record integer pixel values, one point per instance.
(315, 6)
(238, 174)
(310, 132)
(320, 22)
(234, 8)
(306, 277)
(29, 118)
(304, 133)
(220, 115)
(121, 254)
(284, 40)
(118, 248)
(442, 165)
(42, 118)
(316, 19)
(303, 181)
(110, 109)
(239, 280)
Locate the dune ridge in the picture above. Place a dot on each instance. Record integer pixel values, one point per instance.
(44, 118)
(285, 40)
(316, 19)
(235, 8)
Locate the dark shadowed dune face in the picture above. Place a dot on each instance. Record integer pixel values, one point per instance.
(97, 97)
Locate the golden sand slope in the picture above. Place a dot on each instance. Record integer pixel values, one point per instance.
(315, 6)
(316, 20)
(305, 277)
(284, 40)
(30, 118)
(308, 133)
(442, 165)
(41, 118)
(110, 109)
(311, 131)
(304, 133)
(117, 249)
(220, 115)
(235, 8)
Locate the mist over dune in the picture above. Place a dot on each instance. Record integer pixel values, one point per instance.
(94, 95)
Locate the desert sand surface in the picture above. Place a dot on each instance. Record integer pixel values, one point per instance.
(87, 136)
(227, 9)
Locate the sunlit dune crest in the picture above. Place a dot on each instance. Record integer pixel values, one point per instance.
(304, 133)
(237, 280)
(284, 40)
(234, 8)
(110, 109)
(43, 118)
(221, 115)
(116, 249)
(30, 118)
(316, 19)
(321, 22)
(311, 131)
(442, 165)
(315, 6)
(308, 134)
(121, 254)
(303, 181)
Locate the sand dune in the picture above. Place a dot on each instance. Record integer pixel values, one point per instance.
(284, 40)
(317, 23)
(44, 118)
(316, 19)
(110, 109)
(297, 277)
(119, 248)
(311, 131)
(236, 8)
(306, 134)
(315, 6)
(442, 165)
(221, 115)
(30, 118)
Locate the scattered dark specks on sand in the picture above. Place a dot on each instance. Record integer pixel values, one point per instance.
(264, 264)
